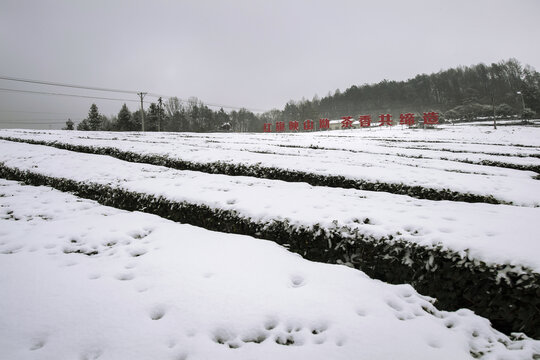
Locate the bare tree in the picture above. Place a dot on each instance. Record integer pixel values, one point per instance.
(173, 106)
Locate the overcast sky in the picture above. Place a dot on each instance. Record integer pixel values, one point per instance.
(256, 54)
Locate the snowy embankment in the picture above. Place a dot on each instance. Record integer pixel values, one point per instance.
(383, 164)
(496, 234)
(84, 281)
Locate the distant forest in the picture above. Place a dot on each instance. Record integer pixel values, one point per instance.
(465, 93)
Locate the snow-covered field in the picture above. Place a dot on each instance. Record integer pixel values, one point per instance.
(432, 159)
(79, 280)
(496, 234)
(84, 281)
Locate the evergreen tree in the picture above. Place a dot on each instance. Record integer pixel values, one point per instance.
(94, 118)
(69, 125)
(136, 120)
(124, 122)
(222, 117)
(83, 125)
(154, 120)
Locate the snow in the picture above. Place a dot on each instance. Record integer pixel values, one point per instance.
(496, 234)
(84, 281)
(384, 155)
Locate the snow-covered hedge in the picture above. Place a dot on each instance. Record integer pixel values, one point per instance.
(508, 165)
(270, 172)
(508, 295)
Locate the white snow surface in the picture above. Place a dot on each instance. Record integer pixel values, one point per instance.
(496, 234)
(82, 281)
(384, 155)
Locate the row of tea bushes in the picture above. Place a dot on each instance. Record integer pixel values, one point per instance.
(534, 168)
(508, 295)
(268, 172)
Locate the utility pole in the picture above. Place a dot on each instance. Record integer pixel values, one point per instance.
(159, 114)
(142, 94)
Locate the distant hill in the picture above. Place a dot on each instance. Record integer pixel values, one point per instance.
(465, 93)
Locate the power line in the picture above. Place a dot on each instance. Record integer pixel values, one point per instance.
(52, 83)
(65, 85)
(34, 112)
(32, 123)
(204, 103)
(63, 94)
(42, 119)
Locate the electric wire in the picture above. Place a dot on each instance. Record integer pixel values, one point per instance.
(53, 83)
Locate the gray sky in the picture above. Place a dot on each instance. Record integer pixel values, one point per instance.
(257, 54)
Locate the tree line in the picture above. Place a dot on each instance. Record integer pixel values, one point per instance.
(172, 116)
(464, 93)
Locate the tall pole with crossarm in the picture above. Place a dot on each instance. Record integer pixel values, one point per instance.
(141, 95)
(160, 103)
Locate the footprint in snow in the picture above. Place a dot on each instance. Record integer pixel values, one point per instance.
(157, 312)
(142, 288)
(91, 354)
(37, 344)
(297, 281)
(181, 356)
(125, 276)
(361, 312)
(137, 252)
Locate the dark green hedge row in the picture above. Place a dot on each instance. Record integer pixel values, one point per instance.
(508, 296)
(476, 152)
(268, 172)
(535, 168)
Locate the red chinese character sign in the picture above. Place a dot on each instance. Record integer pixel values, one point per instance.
(406, 119)
(308, 125)
(431, 118)
(365, 120)
(385, 119)
(324, 124)
(346, 122)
